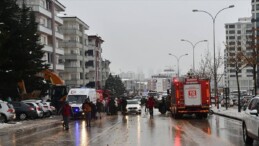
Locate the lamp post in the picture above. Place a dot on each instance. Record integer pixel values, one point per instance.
(193, 46)
(215, 70)
(178, 60)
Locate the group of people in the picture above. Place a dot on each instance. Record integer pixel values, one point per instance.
(93, 111)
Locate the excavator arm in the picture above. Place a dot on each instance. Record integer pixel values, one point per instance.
(52, 77)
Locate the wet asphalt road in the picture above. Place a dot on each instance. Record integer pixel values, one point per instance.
(139, 130)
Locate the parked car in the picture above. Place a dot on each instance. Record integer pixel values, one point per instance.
(229, 102)
(23, 110)
(36, 107)
(43, 105)
(52, 109)
(250, 124)
(7, 112)
(133, 106)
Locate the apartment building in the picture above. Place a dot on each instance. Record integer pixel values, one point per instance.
(255, 25)
(238, 38)
(50, 35)
(94, 61)
(75, 49)
(105, 71)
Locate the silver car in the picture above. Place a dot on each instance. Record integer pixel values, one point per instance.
(36, 107)
(7, 112)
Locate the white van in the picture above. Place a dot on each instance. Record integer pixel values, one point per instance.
(76, 98)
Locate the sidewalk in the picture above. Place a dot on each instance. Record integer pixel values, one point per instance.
(231, 112)
(29, 126)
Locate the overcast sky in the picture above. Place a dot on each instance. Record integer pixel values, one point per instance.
(139, 34)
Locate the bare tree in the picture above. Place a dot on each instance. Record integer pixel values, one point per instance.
(251, 56)
(206, 68)
(235, 58)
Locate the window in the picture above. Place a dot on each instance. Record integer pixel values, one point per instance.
(249, 70)
(253, 104)
(232, 37)
(231, 26)
(231, 32)
(239, 32)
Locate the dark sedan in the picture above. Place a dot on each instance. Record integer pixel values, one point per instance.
(23, 110)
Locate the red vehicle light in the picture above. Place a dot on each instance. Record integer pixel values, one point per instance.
(31, 108)
(10, 110)
(38, 108)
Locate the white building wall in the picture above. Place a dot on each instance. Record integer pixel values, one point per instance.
(237, 39)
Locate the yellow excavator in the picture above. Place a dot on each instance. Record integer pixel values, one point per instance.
(57, 92)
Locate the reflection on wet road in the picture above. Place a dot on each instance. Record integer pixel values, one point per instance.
(140, 130)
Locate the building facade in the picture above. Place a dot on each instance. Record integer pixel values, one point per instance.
(49, 30)
(105, 72)
(94, 61)
(238, 39)
(75, 49)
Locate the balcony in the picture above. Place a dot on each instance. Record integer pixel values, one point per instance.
(72, 32)
(90, 68)
(59, 67)
(47, 48)
(74, 82)
(41, 10)
(73, 57)
(71, 44)
(88, 58)
(44, 29)
(59, 20)
(59, 35)
(74, 69)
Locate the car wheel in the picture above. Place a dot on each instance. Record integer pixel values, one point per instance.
(247, 139)
(22, 116)
(3, 118)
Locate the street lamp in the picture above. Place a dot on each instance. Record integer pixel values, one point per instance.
(178, 60)
(193, 46)
(213, 20)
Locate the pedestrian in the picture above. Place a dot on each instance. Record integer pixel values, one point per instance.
(151, 104)
(87, 110)
(123, 105)
(99, 107)
(66, 112)
(93, 111)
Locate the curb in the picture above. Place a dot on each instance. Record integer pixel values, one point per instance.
(231, 117)
(29, 129)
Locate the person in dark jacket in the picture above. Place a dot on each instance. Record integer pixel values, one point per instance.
(94, 110)
(99, 107)
(87, 109)
(66, 112)
(123, 105)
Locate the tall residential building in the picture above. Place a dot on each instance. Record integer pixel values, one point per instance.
(105, 71)
(255, 28)
(94, 61)
(50, 35)
(238, 38)
(75, 48)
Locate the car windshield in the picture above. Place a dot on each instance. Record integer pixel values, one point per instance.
(132, 102)
(76, 98)
(152, 94)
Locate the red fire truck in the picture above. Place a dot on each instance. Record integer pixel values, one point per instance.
(190, 96)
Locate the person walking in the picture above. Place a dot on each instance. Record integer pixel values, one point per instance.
(66, 112)
(87, 110)
(123, 105)
(99, 106)
(151, 104)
